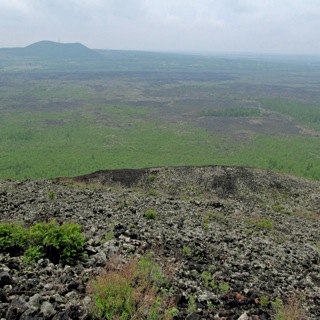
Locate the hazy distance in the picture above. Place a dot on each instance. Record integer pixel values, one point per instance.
(207, 26)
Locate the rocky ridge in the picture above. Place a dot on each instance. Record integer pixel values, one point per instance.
(255, 232)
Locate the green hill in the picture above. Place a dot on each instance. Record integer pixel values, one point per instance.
(50, 49)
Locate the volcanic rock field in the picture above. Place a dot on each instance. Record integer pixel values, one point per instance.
(254, 232)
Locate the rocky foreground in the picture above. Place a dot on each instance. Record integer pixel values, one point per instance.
(254, 232)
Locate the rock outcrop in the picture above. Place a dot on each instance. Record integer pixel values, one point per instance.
(234, 239)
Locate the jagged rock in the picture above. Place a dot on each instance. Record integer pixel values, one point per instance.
(225, 236)
(47, 310)
(5, 279)
(17, 307)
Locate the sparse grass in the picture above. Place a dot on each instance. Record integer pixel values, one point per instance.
(151, 177)
(260, 224)
(151, 214)
(291, 310)
(131, 291)
(187, 251)
(192, 305)
(208, 279)
(109, 235)
(153, 192)
(264, 301)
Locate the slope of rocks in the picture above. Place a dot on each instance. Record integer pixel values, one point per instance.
(254, 232)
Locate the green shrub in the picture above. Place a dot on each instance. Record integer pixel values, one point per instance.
(153, 192)
(151, 214)
(187, 251)
(151, 177)
(131, 292)
(265, 225)
(63, 243)
(192, 305)
(52, 195)
(224, 287)
(208, 279)
(13, 238)
(288, 311)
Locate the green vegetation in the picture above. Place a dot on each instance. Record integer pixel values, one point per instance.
(208, 279)
(187, 251)
(60, 243)
(301, 111)
(287, 311)
(151, 177)
(109, 235)
(13, 238)
(151, 214)
(192, 305)
(55, 123)
(260, 224)
(232, 112)
(264, 301)
(153, 192)
(135, 291)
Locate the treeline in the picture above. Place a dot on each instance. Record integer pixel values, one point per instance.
(303, 112)
(231, 112)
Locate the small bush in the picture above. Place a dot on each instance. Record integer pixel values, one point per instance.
(153, 192)
(208, 279)
(63, 243)
(187, 251)
(151, 177)
(52, 195)
(265, 225)
(13, 238)
(151, 214)
(131, 292)
(288, 311)
(261, 224)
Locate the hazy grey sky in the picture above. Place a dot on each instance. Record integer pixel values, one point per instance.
(258, 26)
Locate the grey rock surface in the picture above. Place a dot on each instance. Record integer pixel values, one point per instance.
(226, 236)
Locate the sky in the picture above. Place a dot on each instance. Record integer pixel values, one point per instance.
(202, 26)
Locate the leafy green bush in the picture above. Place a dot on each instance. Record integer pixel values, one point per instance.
(60, 243)
(13, 238)
(150, 214)
(131, 292)
(63, 243)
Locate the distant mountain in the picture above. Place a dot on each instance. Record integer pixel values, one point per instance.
(54, 50)
(50, 49)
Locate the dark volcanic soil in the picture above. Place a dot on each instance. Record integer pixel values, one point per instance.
(254, 231)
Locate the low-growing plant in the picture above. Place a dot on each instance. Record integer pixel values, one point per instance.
(153, 192)
(33, 253)
(52, 195)
(60, 243)
(264, 301)
(132, 291)
(192, 305)
(151, 177)
(224, 287)
(151, 214)
(186, 251)
(264, 225)
(260, 224)
(288, 311)
(208, 279)
(109, 235)
(13, 238)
